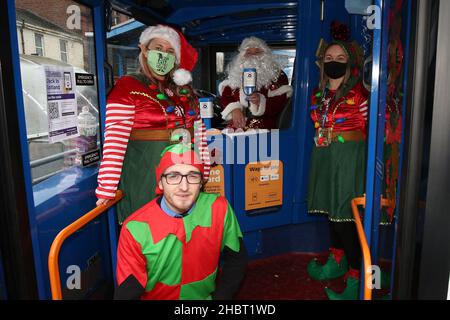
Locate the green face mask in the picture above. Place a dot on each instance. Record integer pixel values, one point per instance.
(160, 62)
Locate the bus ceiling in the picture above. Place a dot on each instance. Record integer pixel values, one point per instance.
(211, 22)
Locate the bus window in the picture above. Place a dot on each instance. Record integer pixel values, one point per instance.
(286, 58)
(122, 47)
(56, 50)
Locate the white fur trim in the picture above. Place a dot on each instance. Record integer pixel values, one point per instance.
(162, 32)
(259, 111)
(226, 113)
(281, 90)
(222, 85)
(182, 77)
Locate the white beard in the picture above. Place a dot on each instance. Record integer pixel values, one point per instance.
(267, 70)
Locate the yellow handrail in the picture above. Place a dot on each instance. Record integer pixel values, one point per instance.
(53, 265)
(363, 241)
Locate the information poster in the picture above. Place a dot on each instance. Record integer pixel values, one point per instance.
(61, 103)
(216, 181)
(263, 184)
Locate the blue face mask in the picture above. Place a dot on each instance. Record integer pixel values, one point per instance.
(160, 62)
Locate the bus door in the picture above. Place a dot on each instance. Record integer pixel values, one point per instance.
(58, 54)
(390, 21)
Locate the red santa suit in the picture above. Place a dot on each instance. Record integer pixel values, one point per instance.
(273, 99)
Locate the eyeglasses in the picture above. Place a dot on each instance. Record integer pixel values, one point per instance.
(176, 177)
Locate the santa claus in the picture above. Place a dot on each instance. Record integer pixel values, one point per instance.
(262, 108)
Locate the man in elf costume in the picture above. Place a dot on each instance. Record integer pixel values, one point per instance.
(170, 247)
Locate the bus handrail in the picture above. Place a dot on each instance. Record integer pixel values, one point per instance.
(367, 259)
(364, 246)
(53, 264)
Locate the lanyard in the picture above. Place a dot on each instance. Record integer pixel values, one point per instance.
(325, 114)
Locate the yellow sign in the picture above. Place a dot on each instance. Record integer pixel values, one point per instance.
(216, 181)
(263, 184)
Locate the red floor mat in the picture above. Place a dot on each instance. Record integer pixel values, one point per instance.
(284, 277)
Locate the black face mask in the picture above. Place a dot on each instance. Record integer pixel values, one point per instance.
(334, 69)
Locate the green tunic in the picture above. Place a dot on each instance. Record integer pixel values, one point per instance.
(138, 176)
(337, 175)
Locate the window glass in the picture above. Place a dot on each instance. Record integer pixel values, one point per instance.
(286, 58)
(38, 40)
(55, 45)
(63, 50)
(122, 49)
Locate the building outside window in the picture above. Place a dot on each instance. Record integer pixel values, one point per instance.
(115, 18)
(63, 50)
(39, 44)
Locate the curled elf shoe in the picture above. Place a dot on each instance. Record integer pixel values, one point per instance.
(335, 267)
(351, 291)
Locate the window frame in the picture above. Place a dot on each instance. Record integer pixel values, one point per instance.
(61, 51)
(40, 36)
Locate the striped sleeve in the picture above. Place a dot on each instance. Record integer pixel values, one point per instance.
(364, 108)
(202, 144)
(118, 124)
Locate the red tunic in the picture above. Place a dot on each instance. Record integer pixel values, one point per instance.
(132, 106)
(273, 99)
(348, 113)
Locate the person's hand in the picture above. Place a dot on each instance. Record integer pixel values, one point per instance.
(254, 98)
(238, 118)
(101, 201)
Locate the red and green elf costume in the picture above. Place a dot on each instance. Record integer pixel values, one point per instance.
(177, 258)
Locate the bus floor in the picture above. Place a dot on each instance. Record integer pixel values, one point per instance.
(284, 277)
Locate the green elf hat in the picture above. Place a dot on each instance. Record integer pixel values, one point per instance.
(177, 154)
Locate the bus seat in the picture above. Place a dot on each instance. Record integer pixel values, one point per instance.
(285, 117)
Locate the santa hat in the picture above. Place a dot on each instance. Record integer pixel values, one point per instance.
(186, 55)
(177, 154)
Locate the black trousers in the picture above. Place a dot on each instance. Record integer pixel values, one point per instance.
(344, 236)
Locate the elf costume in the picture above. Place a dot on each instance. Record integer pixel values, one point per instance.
(338, 161)
(140, 120)
(177, 257)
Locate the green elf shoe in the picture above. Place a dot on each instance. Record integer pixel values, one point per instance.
(351, 291)
(330, 270)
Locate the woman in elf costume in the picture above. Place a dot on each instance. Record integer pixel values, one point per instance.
(144, 112)
(339, 110)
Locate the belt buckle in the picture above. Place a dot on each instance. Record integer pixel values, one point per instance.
(323, 137)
